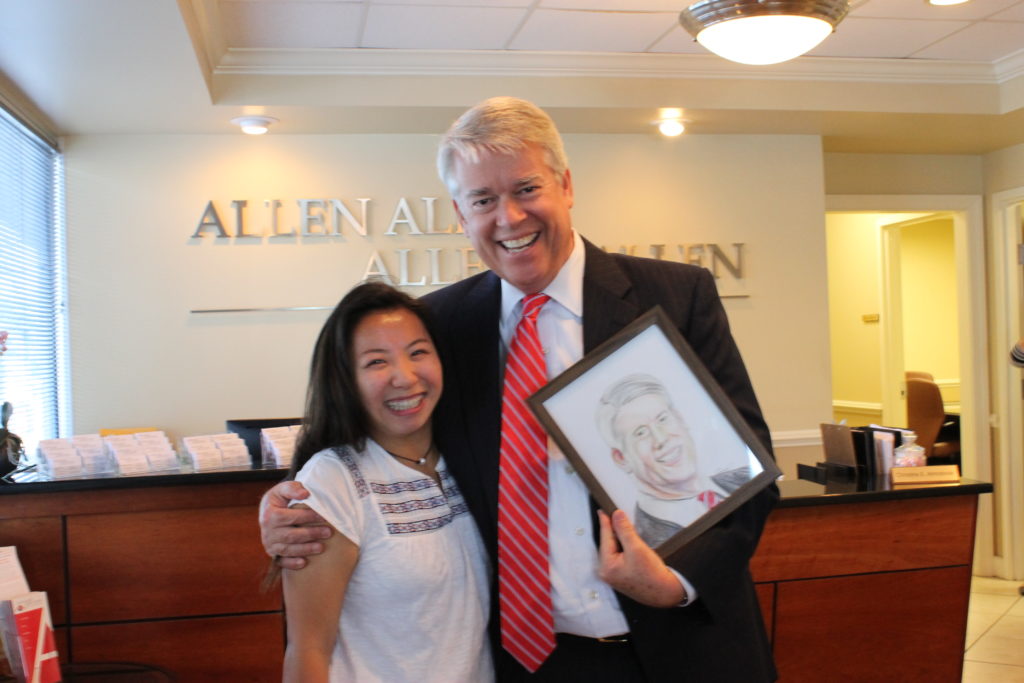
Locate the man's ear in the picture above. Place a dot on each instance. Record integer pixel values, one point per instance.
(620, 460)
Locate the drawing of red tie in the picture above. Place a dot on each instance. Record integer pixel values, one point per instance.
(524, 582)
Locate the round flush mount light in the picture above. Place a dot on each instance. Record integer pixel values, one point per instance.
(254, 125)
(943, 3)
(762, 31)
(670, 122)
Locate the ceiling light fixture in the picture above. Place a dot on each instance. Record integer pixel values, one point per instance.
(254, 125)
(943, 3)
(762, 31)
(670, 122)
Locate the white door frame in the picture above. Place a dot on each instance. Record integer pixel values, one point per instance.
(969, 242)
(1008, 421)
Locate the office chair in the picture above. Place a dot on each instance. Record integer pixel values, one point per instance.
(926, 416)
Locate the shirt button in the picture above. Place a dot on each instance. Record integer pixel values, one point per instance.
(544, 350)
(569, 469)
(593, 595)
(579, 532)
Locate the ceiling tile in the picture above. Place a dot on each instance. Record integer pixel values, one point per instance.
(919, 9)
(567, 30)
(884, 38)
(456, 3)
(1015, 13)
(985, 41)
(440, 28)
(291, 23)
(616, 5)
(679, 41)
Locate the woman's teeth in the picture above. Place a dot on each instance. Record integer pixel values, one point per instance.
(404, 404)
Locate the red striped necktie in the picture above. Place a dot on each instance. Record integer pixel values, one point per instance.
(524, 582)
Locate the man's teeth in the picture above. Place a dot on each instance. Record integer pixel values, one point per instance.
(521, 243)
(405, 404)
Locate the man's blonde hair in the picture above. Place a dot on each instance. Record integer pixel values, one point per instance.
(502, 125)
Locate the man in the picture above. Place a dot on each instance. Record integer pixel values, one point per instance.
(620, 613)
(651, 442)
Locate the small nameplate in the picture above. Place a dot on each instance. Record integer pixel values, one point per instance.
(933, 474)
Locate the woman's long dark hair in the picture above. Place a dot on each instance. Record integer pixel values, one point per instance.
(335, 415)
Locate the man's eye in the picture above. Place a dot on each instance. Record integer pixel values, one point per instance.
(483, 202)
(529, 189)
(641, 432)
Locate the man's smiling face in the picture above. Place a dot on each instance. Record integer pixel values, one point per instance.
(656, 448)
(515, 212)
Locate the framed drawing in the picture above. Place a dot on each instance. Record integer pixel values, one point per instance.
(651, 433)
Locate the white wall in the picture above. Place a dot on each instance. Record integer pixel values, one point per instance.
(141, 359)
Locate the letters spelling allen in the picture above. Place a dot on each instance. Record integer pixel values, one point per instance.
(325, 218)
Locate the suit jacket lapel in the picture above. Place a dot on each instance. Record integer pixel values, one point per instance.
(475, 344)
(607, 306)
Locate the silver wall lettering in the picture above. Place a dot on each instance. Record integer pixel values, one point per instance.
(657, 251)
(403, 270)
(403, 215)
(272, 205)
(239, 206)
(435, 267)
(210, 220)
(692, 254)
(718, 256)
(340, 211)
(466, 262)
(375, 268)
(308, 219)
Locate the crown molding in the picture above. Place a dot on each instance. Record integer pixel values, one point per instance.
(379, 62)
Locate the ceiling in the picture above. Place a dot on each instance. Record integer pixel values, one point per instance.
(896, 76)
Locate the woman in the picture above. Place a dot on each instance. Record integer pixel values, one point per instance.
(400, 592)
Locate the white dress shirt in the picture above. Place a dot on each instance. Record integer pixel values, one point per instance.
(583, 604)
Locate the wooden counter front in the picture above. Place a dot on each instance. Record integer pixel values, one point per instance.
(868, 590)
(856, 586)
(161, 575)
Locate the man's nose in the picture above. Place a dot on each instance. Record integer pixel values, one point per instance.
(509, 212)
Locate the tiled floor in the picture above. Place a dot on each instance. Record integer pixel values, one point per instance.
(995, 632)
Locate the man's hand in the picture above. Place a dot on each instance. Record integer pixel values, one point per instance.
(290, 534)
(634, 569)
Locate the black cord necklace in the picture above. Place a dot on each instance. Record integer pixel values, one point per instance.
(415, 461)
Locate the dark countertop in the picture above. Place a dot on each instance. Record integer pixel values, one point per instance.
(795, 492)
(180, 478)
(802, 493)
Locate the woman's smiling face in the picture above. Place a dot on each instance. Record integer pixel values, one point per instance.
(398, 373)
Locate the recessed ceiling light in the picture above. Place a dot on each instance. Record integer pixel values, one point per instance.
(254, 125)
(946, 2)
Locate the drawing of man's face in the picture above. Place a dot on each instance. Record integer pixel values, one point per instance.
(655, 447)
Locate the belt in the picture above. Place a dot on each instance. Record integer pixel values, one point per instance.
(621, 639)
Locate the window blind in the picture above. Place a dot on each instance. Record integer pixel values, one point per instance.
(34, 370)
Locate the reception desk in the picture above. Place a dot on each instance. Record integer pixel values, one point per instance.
(165, 570)
(858, 584)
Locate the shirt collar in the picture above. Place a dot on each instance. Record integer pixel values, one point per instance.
(566, 288)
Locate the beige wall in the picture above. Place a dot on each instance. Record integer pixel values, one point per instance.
(140, 358)
(1004, 169)
(903, 174)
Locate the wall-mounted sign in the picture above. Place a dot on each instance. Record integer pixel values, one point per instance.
(332, 220)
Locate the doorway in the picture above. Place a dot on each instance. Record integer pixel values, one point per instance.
(970, 330)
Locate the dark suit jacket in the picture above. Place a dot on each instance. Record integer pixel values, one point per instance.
(721, 637)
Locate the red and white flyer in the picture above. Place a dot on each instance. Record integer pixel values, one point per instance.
(26, 626)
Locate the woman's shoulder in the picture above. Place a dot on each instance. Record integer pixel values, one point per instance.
(333, 464)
